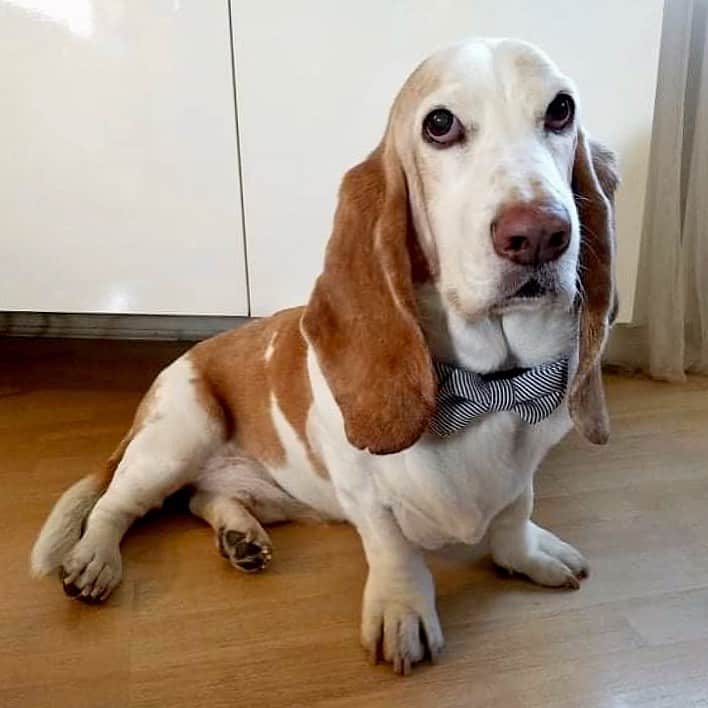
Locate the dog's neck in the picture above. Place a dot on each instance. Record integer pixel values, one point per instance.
(521, 338)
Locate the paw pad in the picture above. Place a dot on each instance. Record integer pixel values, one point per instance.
(248, 555)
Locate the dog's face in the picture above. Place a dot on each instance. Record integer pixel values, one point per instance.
(486, 132)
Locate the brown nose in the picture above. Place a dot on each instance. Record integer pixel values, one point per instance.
(531, 233)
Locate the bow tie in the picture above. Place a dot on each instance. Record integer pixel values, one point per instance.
(533, 394)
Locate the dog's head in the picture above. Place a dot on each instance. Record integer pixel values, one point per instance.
(485, 185)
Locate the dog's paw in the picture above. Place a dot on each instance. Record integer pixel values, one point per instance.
(249, 552)
(547, 561)
(400, 627)
(91, 570)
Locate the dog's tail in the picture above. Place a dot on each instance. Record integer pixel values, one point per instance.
(64, 525)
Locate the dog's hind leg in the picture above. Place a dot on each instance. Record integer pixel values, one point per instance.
(235, 494)
(239, 536)
(176, 429)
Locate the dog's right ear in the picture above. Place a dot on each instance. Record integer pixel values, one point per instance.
(361, 319)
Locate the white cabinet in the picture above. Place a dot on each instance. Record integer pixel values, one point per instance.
(316, 78)
(119, 174)
(119, 183)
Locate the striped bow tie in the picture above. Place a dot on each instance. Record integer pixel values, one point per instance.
(533, 394)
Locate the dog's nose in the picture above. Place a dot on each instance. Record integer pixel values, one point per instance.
(531, 233)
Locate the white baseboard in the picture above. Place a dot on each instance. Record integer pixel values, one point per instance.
(101, 326)
(625, 348)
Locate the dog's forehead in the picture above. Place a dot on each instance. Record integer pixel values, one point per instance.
(500, 68)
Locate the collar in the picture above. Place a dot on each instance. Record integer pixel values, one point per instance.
(463, 395)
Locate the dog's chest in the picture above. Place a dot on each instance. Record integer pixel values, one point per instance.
(448, 490)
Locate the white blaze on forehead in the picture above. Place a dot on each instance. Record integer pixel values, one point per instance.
(491, 80)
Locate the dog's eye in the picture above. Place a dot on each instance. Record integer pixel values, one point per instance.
(560, 112)
(442, 127)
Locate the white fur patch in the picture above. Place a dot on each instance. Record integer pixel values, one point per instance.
(229, 473)
(297, 475)
(172, 441)
(525, 337)
(271, 347)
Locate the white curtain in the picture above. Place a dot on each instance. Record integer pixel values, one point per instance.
(672, 289)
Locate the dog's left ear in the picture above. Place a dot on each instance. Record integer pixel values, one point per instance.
(595, 180)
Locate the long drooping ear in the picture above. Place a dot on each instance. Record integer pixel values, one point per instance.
(594, 182)
(361, 318)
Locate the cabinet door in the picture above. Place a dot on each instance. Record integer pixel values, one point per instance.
(119, 183)
(316, 79)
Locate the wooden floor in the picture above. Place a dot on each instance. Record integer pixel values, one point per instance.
(185, 630)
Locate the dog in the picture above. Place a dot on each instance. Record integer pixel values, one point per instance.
(474, 244)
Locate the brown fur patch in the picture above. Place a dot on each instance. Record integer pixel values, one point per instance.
(210, 402)
(594, 183)
(236, 375)
(287, 370)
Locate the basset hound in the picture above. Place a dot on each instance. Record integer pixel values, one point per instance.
(453, 337)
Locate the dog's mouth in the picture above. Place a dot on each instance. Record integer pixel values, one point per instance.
(533, 292)
(532, 289)
(522, 290)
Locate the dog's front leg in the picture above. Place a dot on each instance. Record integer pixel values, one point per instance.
(520, 546)
(399, 619)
